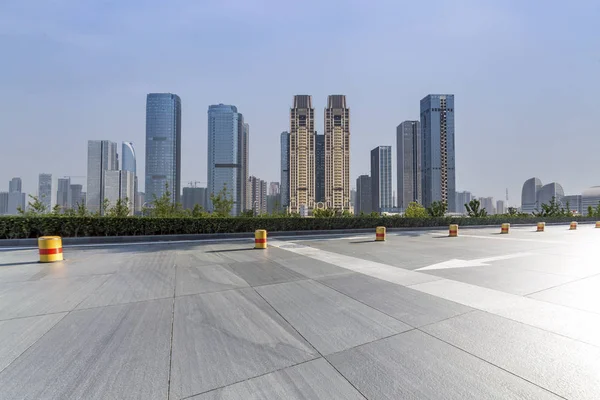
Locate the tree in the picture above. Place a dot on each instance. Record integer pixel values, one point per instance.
(551, 210)
(324, 213)
(415, 210)
(34, 207)
(120, 209)
(474, 209)
(222, 203)
(591, 212)
(437, 209)
(164, 206)
(197, 212)
(512, 211)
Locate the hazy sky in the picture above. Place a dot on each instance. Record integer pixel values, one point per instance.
(525, 74)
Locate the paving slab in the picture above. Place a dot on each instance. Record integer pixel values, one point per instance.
(205, 279)
(103, 353)
(308, 381)
(227, 337)
(24, 299)
(265, 272)
(329, 320)
(312, 268)
(414, 365)
(408, 305)
(564, 366)
(583, 294)
(16, 335)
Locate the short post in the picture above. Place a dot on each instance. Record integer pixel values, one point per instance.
(380, 234)
(541, 226)
(505, 228)
(573, 226)
(597, 224)
(50, 248)
(260, 239)
(453, 230)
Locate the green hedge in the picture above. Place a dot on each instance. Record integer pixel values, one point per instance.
(32, 227)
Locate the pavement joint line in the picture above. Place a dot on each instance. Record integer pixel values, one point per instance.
(311, 345)
(490, 363)
(172, 330)
(577, 279)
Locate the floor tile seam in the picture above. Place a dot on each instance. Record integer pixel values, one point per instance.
(490, 363)
(38, 339)
(562, 284)
(250, 378)
(122, 304)
(172, 333)
(57, 279)
(307, 341)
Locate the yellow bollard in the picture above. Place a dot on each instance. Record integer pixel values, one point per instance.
(50, 248)
(573, 226)
(260, 239)
(453, 231)
(380, 234)
(541, 226)
(505, 228)
(597, 224)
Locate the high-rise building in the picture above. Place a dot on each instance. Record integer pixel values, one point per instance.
(128, 163)
(337, 153)
(363, 195)
(408, 163)
(45, 190)
(285, 170)
(163, 145)
(16, 202)
(119, 185)
(487, 203)
(77, 194)
(257, 190)
(63, 193)
(353, 198)
(550, 191)
(15, 185)
(244, 163)
(3, 203)
(319, 168)
(102, 156)
(500, 207)
(227, 155)
(274, 188)
(193, 196)
(381, 178)
(437, 135)
(463, 198)
(529, 195)
(302, 156)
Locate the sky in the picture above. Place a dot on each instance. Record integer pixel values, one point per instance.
(525, 75)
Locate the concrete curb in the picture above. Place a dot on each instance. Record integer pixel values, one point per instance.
(70, 241)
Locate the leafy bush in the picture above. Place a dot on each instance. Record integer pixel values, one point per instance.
(13, 227)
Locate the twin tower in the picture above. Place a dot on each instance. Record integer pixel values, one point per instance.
(319, 166)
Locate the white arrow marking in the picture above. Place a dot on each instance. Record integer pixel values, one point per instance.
(480, 262)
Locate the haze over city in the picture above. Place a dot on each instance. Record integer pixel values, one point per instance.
(524, 77)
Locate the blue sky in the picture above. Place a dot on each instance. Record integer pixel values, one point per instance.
(526, 76)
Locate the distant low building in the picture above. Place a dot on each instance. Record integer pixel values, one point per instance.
(463, 198)
(487, 203)
(500, 207)
(575, 203)
(590, 198)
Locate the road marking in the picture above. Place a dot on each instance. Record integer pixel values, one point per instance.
(479, 262)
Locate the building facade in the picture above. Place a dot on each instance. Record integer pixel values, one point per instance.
(227, 155)
(274, 188)
(463, 198)
(302, 156)
(102, 156)
(363, 195)
(76, 196)
(438, 155)
(487, 203)
(119, 185)
(576, 204)
(163, 146)
(128, 163)
(381, 178)
(529, 195)
(3, 203)
(548, 192)
(408, 163)
(193, 196)
(15, 185)
(590, 198)
(16, 201)
(320, 169)
(337, 154)
(45, 190)
(63, 194)
(257, 190)
(285, 170)
(500, 207)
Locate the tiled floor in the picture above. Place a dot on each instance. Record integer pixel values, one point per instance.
(310, 318)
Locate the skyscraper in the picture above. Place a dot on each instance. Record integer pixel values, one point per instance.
(3, 203)
(274, 188)
(408, 163)
(302, 155)
(244, 163)
(14, 185)
(77, 194)
(257, 190)
(529, 195)
(381, 178)
(45, 190)
(16, 201)
(227, 155)
(119, 185)
(363, 195)
(437, 135)
(163, 145)
(337, 153)
(285, 170)
(319, 168)
(63, 193)
(128, 163)
(102, 156)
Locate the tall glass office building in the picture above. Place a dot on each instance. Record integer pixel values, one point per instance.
(408, 163)
(45, 190)
(227, 155)
(102, 156)
(381, 178)
(128, 158)
(163, 145)
(437, 135)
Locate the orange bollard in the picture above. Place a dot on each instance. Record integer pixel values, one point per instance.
(597, 224)
(573, 226)
(260, 239)
(505, 228)
(541, 226)
(453, 230)
(380, 234)
(50, 248)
